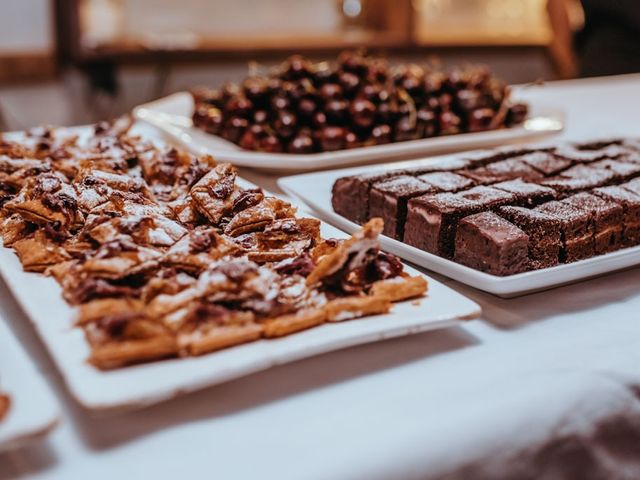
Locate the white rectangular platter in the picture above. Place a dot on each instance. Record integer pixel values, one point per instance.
(172, 115)
(34, 410)
(314, 189)
(137, 386)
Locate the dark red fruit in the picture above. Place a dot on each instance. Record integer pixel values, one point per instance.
(301, 143)
(363, 113)
(332, 138)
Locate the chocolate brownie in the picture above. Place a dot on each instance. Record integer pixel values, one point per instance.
(491, 244)
(527, 194)
(632, 185)
(488, 197)
(599, 144)
(572, 153)
(576, 229)
(432, 221)
(483, 157)
(579, 178)
(630, 203)
(388, 200)
(444, 164)
(621, 170)
(502, 171)
(546, 163)
(544, 234)
(447, 181)
(606, 217)
(350, 195)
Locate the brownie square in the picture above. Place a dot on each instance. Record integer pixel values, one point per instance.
(527, 194)
(579, 178)
(350, 195)
(621, 170)
(544, 234)
(432, 221)
(546, 163)
(630, 203)
(388, 200)
(491, 244)
(632, 186)
(502, 171)
(598, 144)
(447, 181)
(445, 164)
(576, 229)
(570, 152)
(632, 144)
(606, 219)
(487, 197)
(483, 157)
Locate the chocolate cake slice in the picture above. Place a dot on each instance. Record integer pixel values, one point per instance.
(576, 229)
(350, 195)
(432, 221)
(447, 181)
(527, 194)
(388, 200)
(630, 203)
(544, 234)
(606, 219)
(491, 244)
(546, 163)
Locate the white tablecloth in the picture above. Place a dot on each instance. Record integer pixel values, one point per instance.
(543, 386)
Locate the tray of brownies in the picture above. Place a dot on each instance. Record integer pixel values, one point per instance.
(357, 110)
(508, 221)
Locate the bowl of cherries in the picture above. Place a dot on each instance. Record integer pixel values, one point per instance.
(357, 109)
(303, 107)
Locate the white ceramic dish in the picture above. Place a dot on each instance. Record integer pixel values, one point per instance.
(131, 387)
(172, 115)
(314, 189)
(41, 299)
(34, 410)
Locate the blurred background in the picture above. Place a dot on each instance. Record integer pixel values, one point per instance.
(75, 61)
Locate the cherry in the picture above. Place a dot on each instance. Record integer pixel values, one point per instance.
(381, 134)
(332, 138)
(480, 119)
(301, 143)
(336, 111)
(330, 91)
(363, 113)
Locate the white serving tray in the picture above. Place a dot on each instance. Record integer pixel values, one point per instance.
(314, 189)
(172, 115)
(34, 410)
(141, 385)
(137, 386)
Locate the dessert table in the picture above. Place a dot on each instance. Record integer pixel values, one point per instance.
(542, 386)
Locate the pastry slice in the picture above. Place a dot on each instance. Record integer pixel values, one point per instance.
(39, 252)
(120, 333)
(211, 327)
(213, 193)
(197, 250)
